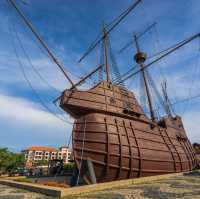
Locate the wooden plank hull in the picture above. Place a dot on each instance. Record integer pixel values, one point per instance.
(124, 143)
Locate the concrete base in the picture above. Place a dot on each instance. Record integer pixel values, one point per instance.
(61, 192)
(38, 188)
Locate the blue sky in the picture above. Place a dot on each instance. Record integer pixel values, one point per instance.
(68, 27)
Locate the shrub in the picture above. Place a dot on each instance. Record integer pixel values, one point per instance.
(69, 167)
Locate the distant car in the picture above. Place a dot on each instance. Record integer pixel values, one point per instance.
(12, 172)
(20, 171)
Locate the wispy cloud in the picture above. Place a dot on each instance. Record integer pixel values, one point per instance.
(191, 120)
(30, 123)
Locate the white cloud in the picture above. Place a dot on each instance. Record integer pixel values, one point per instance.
(11, 73)
(191, 122)
(25, 111)
(23, 123)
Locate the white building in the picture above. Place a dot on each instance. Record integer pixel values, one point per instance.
(37, 153)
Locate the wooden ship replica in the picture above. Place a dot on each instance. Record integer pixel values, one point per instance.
(111, 130)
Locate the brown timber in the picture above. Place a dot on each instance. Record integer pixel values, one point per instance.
(112, 131)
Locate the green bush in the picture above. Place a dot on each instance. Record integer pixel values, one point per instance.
(40, 163)
(69, 167)
(10, 161)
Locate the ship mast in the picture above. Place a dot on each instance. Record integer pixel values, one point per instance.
(105, 41)
(140, 58)
(30, 26)
(163, 54)
(110, 27)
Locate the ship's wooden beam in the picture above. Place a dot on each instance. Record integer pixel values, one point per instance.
(33, 30)
(87, 76)
(81, 81)
(177, 47)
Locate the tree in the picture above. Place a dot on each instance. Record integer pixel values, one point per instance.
(196, 147)
(5, 159)
(69, 167)
(10, 161)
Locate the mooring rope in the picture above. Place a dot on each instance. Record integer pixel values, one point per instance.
(83, 145)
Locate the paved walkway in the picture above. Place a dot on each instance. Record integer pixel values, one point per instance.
(187, 187)
(12, 193)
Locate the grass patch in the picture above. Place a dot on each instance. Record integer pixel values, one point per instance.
(17, 191)
(11, 197)
(23, 180)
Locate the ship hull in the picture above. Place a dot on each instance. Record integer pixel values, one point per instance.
(121, 148)
(124, 143)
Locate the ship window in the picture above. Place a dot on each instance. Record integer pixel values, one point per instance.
(130, 112)
(112, 100)
(181, 139)
(162, 123)
(128, 105)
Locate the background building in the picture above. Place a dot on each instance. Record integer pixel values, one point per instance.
(64, 153)
(40, 153)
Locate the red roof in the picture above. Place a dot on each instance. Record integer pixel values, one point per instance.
(41, 148)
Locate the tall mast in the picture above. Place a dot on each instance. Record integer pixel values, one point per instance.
(111, 27)
(28, 23)
(105, 40)
(140, 58)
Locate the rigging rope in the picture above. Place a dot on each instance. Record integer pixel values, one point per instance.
(184, 100)
(191, 85)
(31, 63)
(82, 150)
(113, 24)
(43, 44)
(49, 58)
(156, 45)
(167, 49)
(142, 94)
(115, 81)
(114, 64)
(69, 140)
(29, 83)
(100, 74)
(162, 63)
(157, 93)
